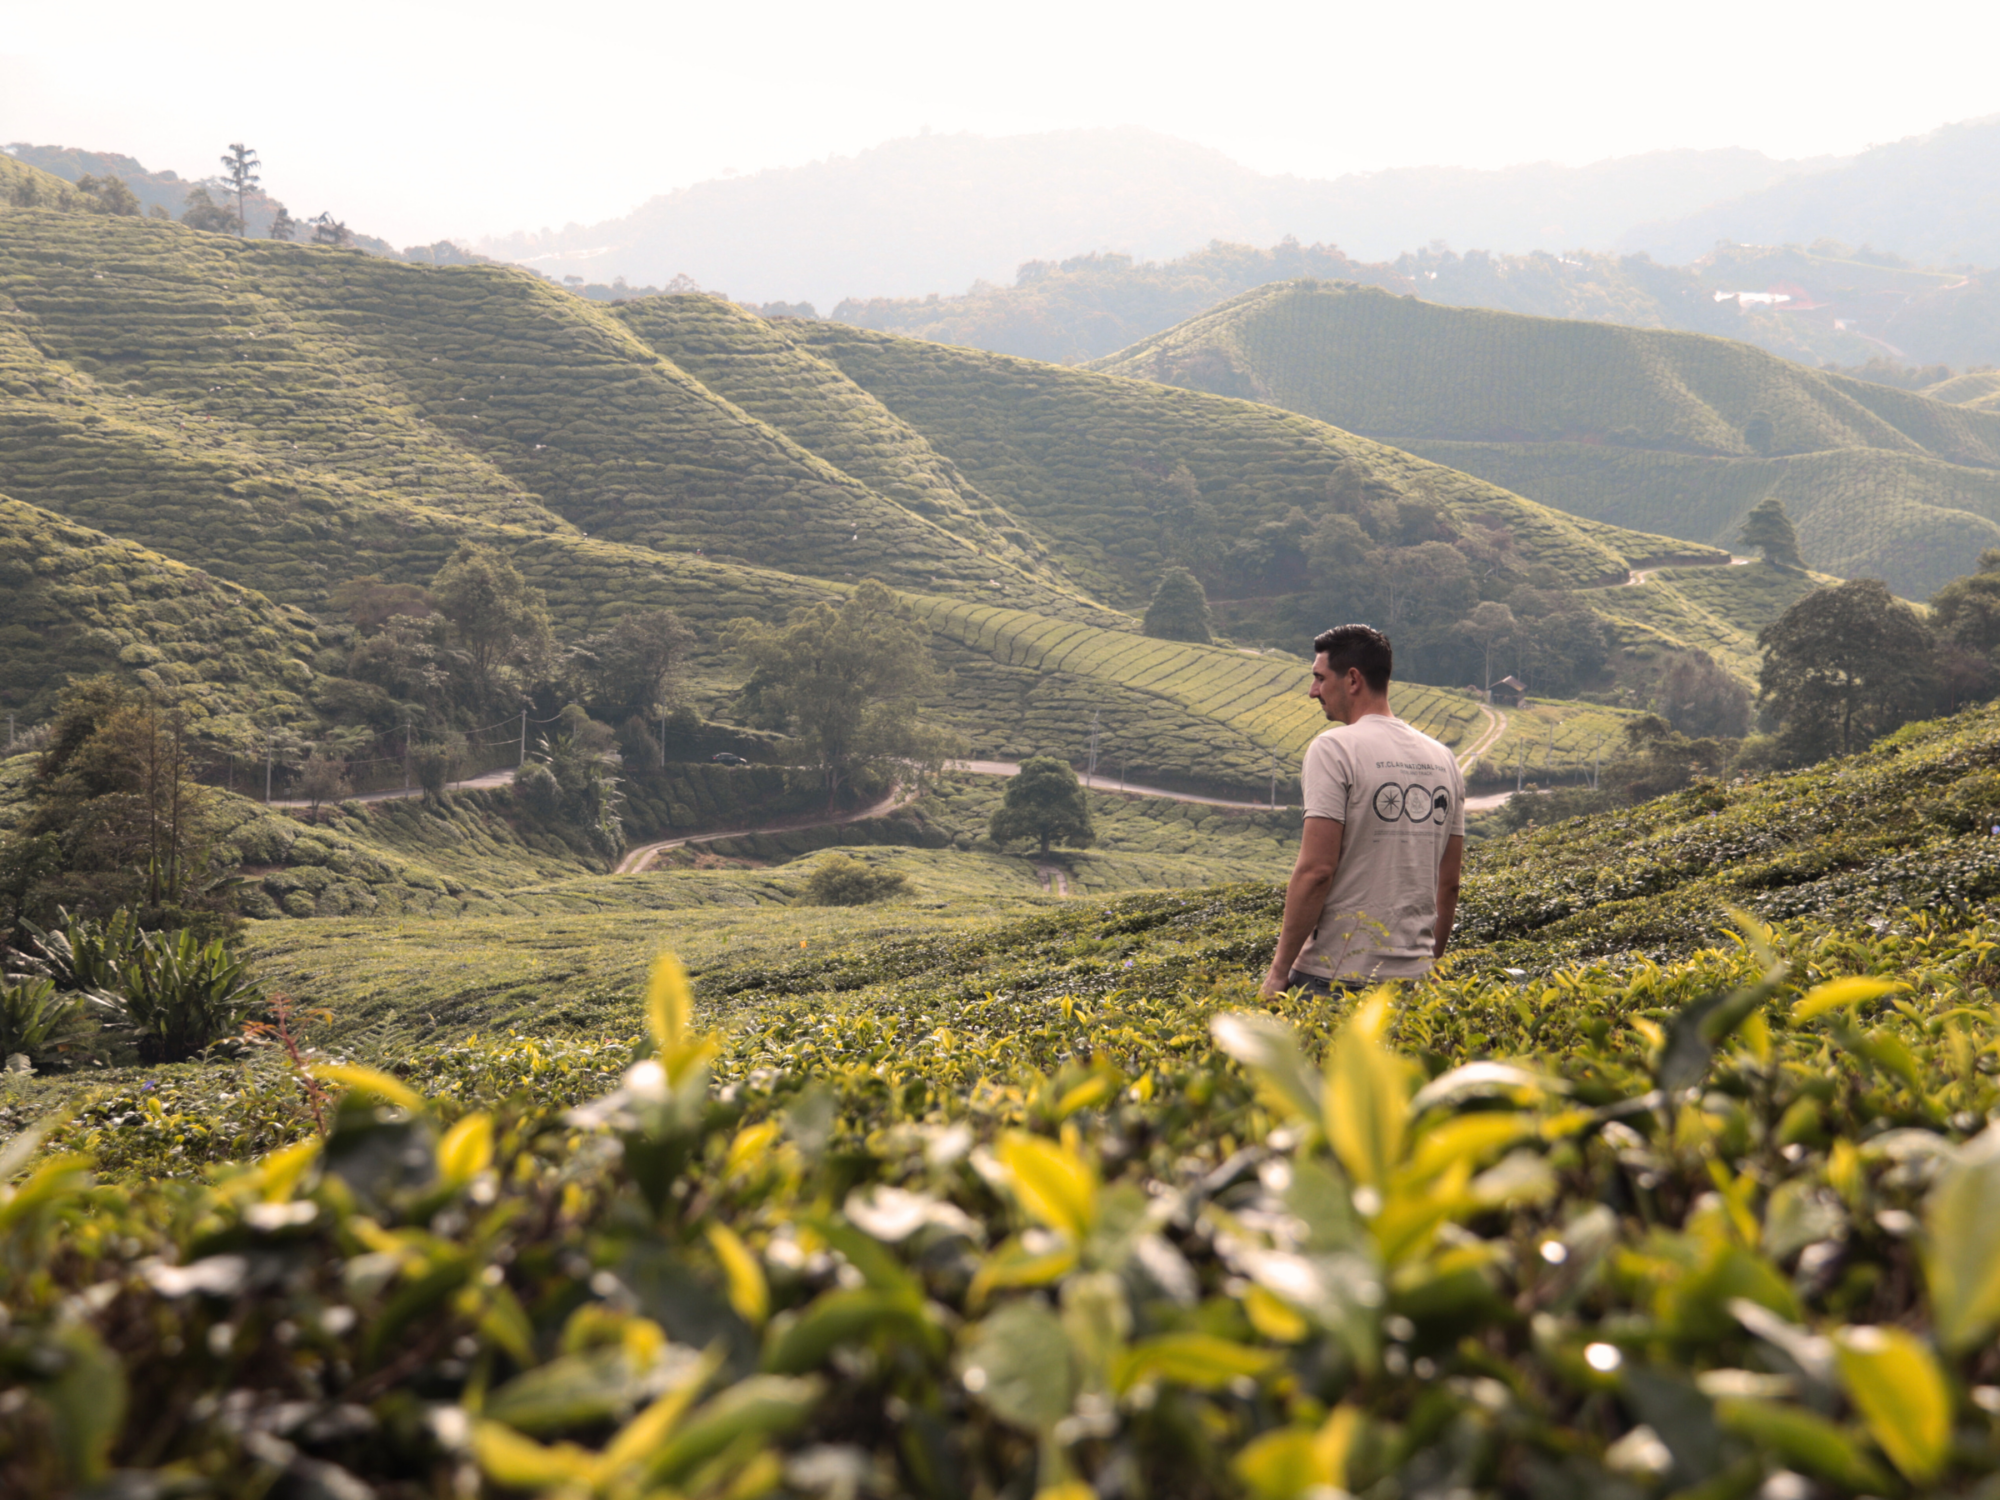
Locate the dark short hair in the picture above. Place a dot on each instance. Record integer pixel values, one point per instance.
(1360, 646)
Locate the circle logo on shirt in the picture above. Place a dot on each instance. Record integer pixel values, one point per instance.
(1414, 803)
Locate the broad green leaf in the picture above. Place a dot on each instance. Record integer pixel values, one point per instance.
(669, 1005)
(466, 1150)
(1267, 1047)
(1803, 1438)
(751, 1145)
(1839, 994)
(840, 1317)
(1901, 1394)
(1018, 1363)
(1280, 1465)
(1961, 1229)
(279, 1174)
(1200, 1361)
(1091, 1092)
(1055, 1185)
(1483, 1080)
(1467, 1138)
(763, 1406)
(521, 1463)
(360, 1080)
(1365, 1107)
(642, 1436)
(85, 1401)
(748, 1293)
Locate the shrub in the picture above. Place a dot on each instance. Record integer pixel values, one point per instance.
(35, 1021)
(179, 996)
(842, 880)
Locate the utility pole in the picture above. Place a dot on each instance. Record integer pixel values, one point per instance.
(1274, 781)
(10, 734)
(522, 760)
(406, 750)
(269, 746)
(1094, 714)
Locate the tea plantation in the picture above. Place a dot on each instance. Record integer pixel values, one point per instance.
(980, 1192)
(1668, 432)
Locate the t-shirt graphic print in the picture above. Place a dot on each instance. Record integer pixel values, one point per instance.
(1402, 798)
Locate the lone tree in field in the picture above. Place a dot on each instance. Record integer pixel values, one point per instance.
(846, 682)
(1845, 665)
(1769, 530)
(239, 169)
(1045, 802)
(1179, 611)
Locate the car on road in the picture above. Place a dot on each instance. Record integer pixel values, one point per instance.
(728, 758)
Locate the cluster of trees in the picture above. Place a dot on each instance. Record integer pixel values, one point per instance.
(1461, 605)
(116, 818)
(847, 682)
(1846, 665)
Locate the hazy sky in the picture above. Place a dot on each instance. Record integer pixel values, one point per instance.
(415, 119)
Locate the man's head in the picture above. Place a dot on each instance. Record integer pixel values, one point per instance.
(1351, 669)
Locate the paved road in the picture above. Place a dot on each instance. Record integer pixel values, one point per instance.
(1105, 784)
(636, 861)
(476, 784)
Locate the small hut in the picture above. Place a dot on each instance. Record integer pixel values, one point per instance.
(1510, 692)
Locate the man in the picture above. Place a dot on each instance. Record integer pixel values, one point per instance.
(1375, 887)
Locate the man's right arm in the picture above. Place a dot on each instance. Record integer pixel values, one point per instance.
(1305, 897)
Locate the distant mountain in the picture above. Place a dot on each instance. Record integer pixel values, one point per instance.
(1654, 430)
(1934, 198)
(935, 213)
(1825, 305)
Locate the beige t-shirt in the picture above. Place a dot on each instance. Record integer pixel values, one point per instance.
(1402, 798)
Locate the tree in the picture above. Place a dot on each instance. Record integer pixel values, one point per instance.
(634, 668)
(492, 617)
(1698, 697)
(203, 212)
(1769, 530)
(108, 195)
(1179, 611)
(239, 167)
(327, 230)
(845, 681)
(1490, 626)
(1843, 666)
(283, 225)
(115, 789)
(1966, 611)
(1044, 802)
(323, 779)
(1760, 433)
(1187, 522)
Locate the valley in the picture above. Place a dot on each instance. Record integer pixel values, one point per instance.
(625, 897)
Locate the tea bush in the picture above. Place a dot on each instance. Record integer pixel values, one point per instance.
(1618, 1231)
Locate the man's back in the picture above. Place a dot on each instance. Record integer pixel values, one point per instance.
(1401, 797)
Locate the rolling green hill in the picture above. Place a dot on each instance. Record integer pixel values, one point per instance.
(286, 417)
(1661, 431)
(74, 601)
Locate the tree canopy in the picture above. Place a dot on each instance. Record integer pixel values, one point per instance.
(845, 681)
(1045, 802)
(1179, 611)
(493, 617)
(1769, 530)
(1843, 666)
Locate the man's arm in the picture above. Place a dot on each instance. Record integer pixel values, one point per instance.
(1448, 870)
(1305, 897)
